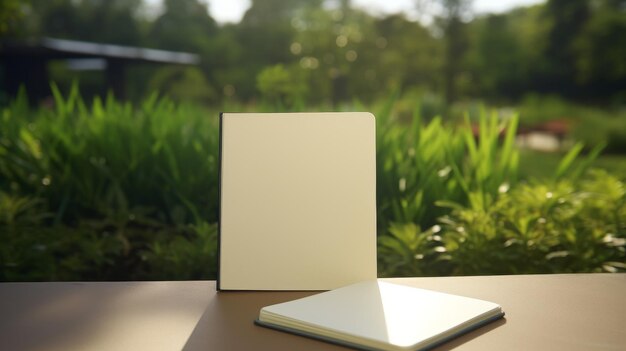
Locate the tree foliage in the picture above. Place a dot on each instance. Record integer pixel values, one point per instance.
(570, 48)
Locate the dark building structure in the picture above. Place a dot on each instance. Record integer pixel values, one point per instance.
(26, 62)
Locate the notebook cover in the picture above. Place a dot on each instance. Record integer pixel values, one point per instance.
(297, 200)
(384, 315)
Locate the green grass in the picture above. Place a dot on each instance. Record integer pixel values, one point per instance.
(110, 191)
(613, 163)
(542, 165)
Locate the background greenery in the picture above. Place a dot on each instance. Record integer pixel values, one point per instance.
(115, 191)
(94, 186)
(329, 51)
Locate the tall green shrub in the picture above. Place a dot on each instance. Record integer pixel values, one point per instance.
(110, 159)
(126, 176)
(420, 164)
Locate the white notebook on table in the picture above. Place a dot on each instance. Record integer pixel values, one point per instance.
(378, 315)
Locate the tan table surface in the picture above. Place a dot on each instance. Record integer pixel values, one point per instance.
(543, 312)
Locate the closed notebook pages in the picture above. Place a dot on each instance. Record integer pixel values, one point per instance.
(378, 315)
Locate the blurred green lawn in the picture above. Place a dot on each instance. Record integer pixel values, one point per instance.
(541, 165)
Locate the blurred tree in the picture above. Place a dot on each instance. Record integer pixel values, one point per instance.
(449, 18)
(494, 58)
(228, 53)
(567, 17)
(314, 52)
(455, 37)
(408, 55)
(335, 47)
(107, 21)
(529, 27)
(282, 86)
(263, 12)
(347, 53)
(111, 21)
(265, 34)
(185, 25)
(600, 50)
(57, 18)
(183, 84)
(10, 13)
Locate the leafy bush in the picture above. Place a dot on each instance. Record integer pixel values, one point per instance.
(533, 228)
(110, 173)
(186, 257)
(99, 249)
(420, 164)
(31, 250)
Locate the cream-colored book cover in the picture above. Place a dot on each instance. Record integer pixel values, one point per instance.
(297, 200)
(378, 315)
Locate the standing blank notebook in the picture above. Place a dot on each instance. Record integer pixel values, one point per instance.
(297, 200)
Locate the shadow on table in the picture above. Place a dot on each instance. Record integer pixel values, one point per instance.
(48, 315)
(228, 324)
(64, 316)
